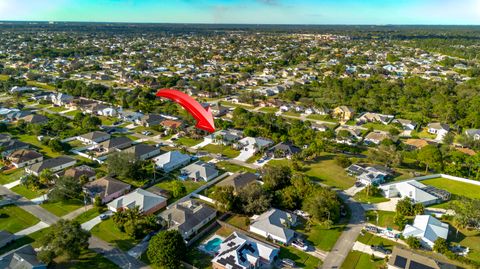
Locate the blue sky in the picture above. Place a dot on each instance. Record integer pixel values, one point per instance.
(247, 11)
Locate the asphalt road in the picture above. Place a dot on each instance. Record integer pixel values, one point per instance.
(345, 242)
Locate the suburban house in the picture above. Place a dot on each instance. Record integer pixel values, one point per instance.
(375, 117)
(107, 188)
(243, 252)
(147, 202)
(376, 137)
(284, 150)
(369, 175)
(226, 137)
(414, 144)
(116, 143)
(54, 165)
(427, 229)
(188, 217)
(171, 160)
(238, 181)
(6, 238)
(407, 259)
(438, 129)
(319, 127)
(143, 151)
(254, 143)
(24, 257)
(35, 119)
(61, 99)
(151, 120)
(11, 146)
(354, 134)
(24, 157)
(407, 125)
(93, 138)
(171, 124)
(80, 171)
(218, 110)
(5, 138)
(473, 133)
(275, 224)
(343, 113)
(416, 191)
(130, 116)
(199, 171)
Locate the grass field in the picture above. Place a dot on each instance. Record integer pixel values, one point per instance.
(107, 231)
(4, 77)
(187, 141)
(363, 198)
(230, 167)
(241, 222)
(31, 139)
(301, 259)
(62, 208)
(224, 150)
(322, 118)
(370, 239)
(455, 187)
(292, 114)
(379, 126)
(423, 134)
(71, 113)
(88, 215)
(28, 193)
(57, 108)
(359, 260)
(327, 171)
(320, 236)
(190, 186)
(14, 219)
(467, 238)
(87, 259)
(11, 176)
(40, 85)
(269, 109)
(385, 218)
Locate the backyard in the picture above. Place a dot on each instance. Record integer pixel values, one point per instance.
(190, 186)
(14, 219)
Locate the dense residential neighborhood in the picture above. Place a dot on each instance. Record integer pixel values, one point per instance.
(332, 149)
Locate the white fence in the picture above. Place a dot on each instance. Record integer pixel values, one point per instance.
(204, 198)
(460, 179)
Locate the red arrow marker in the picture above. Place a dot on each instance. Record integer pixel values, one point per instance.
(203, 116)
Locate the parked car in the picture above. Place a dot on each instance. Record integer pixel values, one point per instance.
(288, 262)
(104, 216)
(381, 249)
(300, 245)
(371, 229)
(358, 184)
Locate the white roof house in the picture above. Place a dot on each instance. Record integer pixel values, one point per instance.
(171, 160)
(416, 191)
(427, 229)
(257, 142)
(275, 224)
(243, 252)
(200, 171)
(146, 201)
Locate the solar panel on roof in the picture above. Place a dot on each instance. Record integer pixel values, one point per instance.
(400, 262)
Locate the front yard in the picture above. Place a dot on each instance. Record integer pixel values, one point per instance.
(28, 193)
(371, 239)
(109, 232)
(188, 142)
(362, 197)
(320, 236)
(11, 176)
(231, 167)
(220, 149)
(385, 218)
(301, 259)
(60, 209)
(14, 219)
(360, 260)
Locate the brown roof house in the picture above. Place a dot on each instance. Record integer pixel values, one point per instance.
(107, 188)
(79, 171)
(343, 113)
(24, 157)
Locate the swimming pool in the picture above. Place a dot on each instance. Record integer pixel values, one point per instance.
(213, 245)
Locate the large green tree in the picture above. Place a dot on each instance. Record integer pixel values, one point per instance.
(167, 249)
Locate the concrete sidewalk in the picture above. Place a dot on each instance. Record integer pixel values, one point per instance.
(12, 184)
(32, 229)
(87, 226)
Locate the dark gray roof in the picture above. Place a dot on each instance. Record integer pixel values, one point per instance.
(116, 142)
(105, 186)
(287, 147)
(239, 181)
(188, 214)
(140, 149)
(13, 145)
(22, 258)
(95, 135)
(50, 163)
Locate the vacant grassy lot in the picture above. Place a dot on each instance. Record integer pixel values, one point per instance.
(371, 239)
(327, 171)
(322, 118)
(359, 260)
(230, 167)
(28, 193)
(220, 149)
(57, 108)
(187, 141)
(320, 236)
(269, 109)
(31, 139)
(379, 126)
(62, 208)
(107, 231)
(40, 85)
(455, 187)
(14, 219)
(11, 176)
(301, 259)
(291, 114)
(362, 197)
(385, 218)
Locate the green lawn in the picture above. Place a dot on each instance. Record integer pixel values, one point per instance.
(269, 109)
(107, 231)
(292, 114)
(62, 208)
(190, 186)
(254, 158)
(57, 108)
(322, 118)
(466, 238)
(301, 259)
(241, 222)
(370, 239)
(4, 77)
(385, 218)
(14, 219)
(320, 236)
(28, 193)
(231, 167)
(230, 104)
(107, 120)
(224, 150)
(379, 126)
(455, 187)
(88, 215)
(327, 171)
(71, 113)
(11, 176)
(31, 139)
(40, 85)
(363, 198)
(187, 141)
(88, 259)
(359, 260)
(423, 134)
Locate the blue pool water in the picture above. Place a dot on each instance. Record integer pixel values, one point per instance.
(213, 245)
